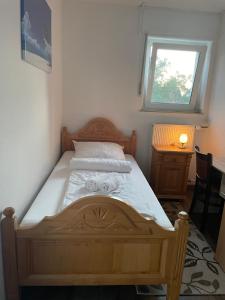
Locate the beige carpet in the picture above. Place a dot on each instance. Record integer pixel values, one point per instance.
(202, 274)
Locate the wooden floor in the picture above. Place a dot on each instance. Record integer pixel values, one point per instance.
(97, 293)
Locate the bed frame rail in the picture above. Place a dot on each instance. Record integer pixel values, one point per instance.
(95, 241)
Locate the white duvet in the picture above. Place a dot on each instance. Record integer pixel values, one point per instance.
(126, 189)
(57, 191)
(125, 184)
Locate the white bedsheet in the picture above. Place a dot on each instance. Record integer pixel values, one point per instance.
(138, 193)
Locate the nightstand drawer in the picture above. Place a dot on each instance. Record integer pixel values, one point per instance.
(174, 158)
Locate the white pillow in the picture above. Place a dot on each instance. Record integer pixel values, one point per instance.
(98, 150)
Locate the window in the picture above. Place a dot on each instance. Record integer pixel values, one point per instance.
(175, 74)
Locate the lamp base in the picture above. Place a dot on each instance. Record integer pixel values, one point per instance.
(182, 146)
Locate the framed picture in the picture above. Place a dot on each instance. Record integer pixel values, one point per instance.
(36, 41)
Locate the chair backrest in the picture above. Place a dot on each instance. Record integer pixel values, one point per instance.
(203, 165)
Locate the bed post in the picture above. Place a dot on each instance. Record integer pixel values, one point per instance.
(9, 255)
(182, 227)
(133, 143)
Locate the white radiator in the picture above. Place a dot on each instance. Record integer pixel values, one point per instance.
(168, 134)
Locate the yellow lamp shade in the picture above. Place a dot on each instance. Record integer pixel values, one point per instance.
(183, 139)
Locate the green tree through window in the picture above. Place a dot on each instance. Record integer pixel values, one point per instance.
(169, 88)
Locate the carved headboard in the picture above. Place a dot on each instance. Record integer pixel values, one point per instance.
(99, 130)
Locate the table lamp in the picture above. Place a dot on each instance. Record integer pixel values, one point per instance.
(183, 140)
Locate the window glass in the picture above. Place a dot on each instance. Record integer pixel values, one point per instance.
(174, 76)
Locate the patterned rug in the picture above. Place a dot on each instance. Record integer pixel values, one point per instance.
(202, 274)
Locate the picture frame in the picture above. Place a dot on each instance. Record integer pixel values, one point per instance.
(36, 39)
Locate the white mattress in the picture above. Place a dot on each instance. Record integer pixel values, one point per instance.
(51, 198)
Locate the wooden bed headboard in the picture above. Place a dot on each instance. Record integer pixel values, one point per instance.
(99, 130)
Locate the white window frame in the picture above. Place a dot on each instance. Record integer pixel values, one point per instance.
(199, 84)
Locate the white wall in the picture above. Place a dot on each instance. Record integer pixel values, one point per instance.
(30, 114)
(213, 138)
(101, 56)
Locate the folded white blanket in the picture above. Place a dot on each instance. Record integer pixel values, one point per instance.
(104, 185)
(101, 164)
(91, 185)
(108, 186)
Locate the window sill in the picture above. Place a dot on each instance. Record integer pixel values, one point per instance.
(157, 111)
(183, 114)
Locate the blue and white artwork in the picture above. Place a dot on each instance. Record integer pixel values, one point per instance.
(36, 33)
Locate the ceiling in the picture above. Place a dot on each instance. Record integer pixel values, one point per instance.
(193, 5)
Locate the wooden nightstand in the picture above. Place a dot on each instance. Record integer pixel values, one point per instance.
(169, 171)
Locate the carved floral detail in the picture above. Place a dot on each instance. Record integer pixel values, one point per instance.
(97, 219)
(99, 129)
(100, 213)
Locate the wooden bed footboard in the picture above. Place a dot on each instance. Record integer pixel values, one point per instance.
(95, 241)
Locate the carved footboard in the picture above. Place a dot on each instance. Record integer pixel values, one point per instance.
(95, 241)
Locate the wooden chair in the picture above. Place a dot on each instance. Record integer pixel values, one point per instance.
(205, 186)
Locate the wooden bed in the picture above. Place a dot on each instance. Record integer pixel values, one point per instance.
(95, 241)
